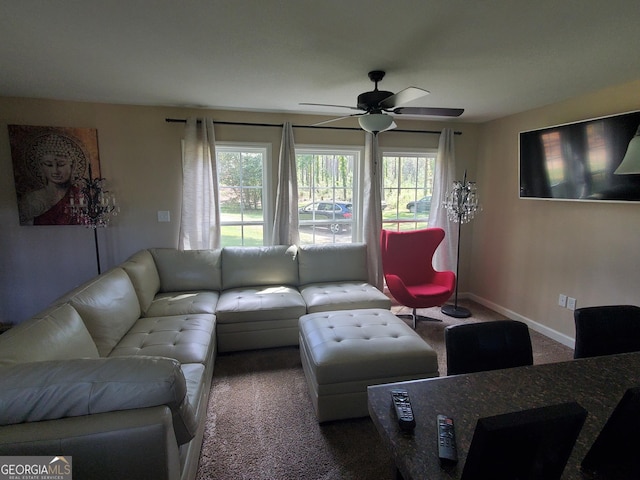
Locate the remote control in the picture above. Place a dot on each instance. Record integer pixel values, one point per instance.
(447, 450)
(402, 404)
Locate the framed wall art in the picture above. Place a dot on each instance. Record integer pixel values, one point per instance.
(50, 165)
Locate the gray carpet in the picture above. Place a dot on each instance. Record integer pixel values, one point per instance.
(261, 423)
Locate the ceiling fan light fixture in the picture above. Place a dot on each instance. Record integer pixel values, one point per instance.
(376, 122)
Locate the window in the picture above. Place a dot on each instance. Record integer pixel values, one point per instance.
(242, 170)
(326, 185)
(329, 205)
(407, 179)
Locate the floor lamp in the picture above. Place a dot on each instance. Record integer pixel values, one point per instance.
(461, 203)
(93, 206)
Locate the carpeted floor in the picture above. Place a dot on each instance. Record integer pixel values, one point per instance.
(261, 423)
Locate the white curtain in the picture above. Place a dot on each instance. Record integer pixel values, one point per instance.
(445, 256)
(372, 211)
(285, 223)
(200, 219)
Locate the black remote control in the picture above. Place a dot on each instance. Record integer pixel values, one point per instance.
(402, 404)
(447, 450)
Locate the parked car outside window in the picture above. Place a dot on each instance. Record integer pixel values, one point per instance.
(327, 211)
(421, 206)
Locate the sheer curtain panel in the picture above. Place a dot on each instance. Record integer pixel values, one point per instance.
(373, 208)
(200, 220)
(444, 175)
(285, 223)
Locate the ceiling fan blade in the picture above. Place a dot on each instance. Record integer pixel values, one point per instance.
(336, 119)
(407, 95)
(431, 111)
(329, 105)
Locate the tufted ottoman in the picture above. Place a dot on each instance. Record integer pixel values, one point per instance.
(345, 351)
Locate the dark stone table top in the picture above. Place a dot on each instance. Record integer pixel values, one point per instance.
(597, 384)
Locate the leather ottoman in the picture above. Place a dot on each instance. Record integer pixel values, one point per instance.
(345, 351)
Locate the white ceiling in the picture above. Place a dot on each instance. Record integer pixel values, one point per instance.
(491, 57)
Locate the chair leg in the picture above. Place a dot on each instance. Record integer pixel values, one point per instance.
(414, 317)
(407, 316)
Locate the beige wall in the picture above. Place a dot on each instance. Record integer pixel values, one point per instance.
(526, 252)
(517, 255)
(140, 157)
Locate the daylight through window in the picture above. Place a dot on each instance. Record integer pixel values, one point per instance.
(241, 177)
(407, 189)
(326, 194)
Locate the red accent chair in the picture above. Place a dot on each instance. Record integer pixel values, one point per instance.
(407, 263)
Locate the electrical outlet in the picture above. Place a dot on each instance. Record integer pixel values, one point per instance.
(562, 300)
(571, 303)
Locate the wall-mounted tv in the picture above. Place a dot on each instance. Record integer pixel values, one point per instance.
(576, 161)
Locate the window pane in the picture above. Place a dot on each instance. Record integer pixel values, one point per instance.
(240, 180)
(325, 194)
(407, 190)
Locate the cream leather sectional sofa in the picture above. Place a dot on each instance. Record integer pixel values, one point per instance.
(117, 373)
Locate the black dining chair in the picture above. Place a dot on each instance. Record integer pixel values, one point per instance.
(477, 347)
(606, 330)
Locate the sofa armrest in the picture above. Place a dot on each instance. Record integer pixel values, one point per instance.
(138, 443)
(40, 391)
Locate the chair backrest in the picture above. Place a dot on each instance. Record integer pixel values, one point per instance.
(477, 347)
(606, 330)
(409, 254)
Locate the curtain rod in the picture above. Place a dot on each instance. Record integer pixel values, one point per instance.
(250, 124)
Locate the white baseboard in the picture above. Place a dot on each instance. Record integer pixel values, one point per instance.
(538, 327)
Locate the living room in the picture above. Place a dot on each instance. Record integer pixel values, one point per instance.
(517, 255)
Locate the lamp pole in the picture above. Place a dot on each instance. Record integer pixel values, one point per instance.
(93, 207)
(461, 204)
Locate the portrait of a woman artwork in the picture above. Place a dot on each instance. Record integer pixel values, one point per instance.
(50, 165)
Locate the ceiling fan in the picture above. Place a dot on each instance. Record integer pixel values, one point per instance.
(376, 105)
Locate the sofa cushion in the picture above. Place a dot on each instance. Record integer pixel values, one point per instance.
(109, 307)
(58, 333)
(143, 273)
(332, 263)
(259, 304)
(251, 266)
(321, 297)
(182, 303)
(187, 270)
(186, 338)
(37, 391)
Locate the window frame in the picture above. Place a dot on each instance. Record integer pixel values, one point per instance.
(356, 200)
(418, 222)
(267, 185)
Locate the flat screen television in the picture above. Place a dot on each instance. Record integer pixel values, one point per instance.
(576, 161)
(615, 455)
(525, 445)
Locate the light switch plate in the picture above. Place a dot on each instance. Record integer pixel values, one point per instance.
(571, 303)
(164, 216)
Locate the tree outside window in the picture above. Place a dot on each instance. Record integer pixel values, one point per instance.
(407, 189)
(241, 173)
(326, 194)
